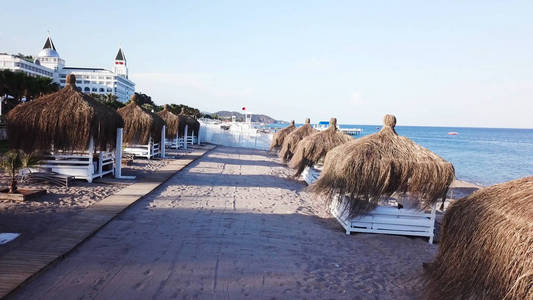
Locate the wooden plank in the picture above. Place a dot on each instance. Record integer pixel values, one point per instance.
(388, 210)
(20, 265)
(396, 227)
(392, 232)
(402, 221)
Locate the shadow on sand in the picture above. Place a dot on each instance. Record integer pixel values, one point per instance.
(214, 252)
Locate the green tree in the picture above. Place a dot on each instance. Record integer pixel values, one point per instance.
(146, 102)
(144, 99)
(176, 109)
(25, 57)
(19, 85)
(108, 99)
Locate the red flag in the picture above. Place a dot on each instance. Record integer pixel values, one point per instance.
(243, 108)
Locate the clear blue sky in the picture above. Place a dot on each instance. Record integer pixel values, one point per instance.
(428, 62)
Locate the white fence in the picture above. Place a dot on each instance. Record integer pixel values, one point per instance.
(212, 133)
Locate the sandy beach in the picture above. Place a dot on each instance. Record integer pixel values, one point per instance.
(61, 203)
(234, 225)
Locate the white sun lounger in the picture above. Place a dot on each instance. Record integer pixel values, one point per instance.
(388, 220)
(311, 174)
(147, 151)
(384, 219)
(81, 165)
(177, 143)
(182, 142)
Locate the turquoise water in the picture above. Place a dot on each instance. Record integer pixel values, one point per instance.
(480, 155)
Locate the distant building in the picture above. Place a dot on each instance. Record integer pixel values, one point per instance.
(88, 80)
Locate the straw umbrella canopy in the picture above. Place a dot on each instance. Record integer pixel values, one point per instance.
(293, 138)
(172, 122)
(140, 124)
(486, 245)
(313, 148)
(65, 120)
(277, 139)
(192, 123)
(380, 165)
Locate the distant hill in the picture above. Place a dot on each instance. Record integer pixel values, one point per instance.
(240, 117)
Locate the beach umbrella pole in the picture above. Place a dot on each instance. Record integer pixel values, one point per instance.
(118, 157)
(198, 136)
(185, 139)
(162, 143)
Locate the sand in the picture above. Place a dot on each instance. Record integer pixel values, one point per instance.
(31, 218)
(234, 225)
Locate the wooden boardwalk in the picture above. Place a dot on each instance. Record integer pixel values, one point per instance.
(233, 225)
(18, 266)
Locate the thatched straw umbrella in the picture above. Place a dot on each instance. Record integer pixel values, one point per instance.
(313, 148)
(380, 165)
(293, 138)
(172, 122)
(486, 245)
(192, 124)
(140, 124)
(277, 139)
(65, 120)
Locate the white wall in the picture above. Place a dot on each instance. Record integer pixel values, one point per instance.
(212, 133)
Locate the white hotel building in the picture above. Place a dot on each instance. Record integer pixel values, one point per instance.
(88, 80)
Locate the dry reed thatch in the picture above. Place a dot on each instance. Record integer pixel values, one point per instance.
(381, 164)
(172, 122)
(314, 147)
(486, 246)
(64, 120)
(192, 124)
(140, 124)
(277, 139)
(292, 139)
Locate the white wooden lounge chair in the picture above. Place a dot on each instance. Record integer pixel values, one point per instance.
(311, 174)
(48, 177)
(81, 165)
(147, 151)
(384, 219)
(177, 143)
(388, 219)
(182, 142)
(191, 139)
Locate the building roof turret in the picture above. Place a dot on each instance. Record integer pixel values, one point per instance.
(49, 44)
(49, 49)
(120, 55)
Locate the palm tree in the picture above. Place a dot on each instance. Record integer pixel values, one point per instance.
(15, 160)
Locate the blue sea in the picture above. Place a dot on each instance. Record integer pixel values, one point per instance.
(484, 156)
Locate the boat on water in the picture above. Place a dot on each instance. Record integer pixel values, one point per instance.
(323, 125)
(453, 133)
